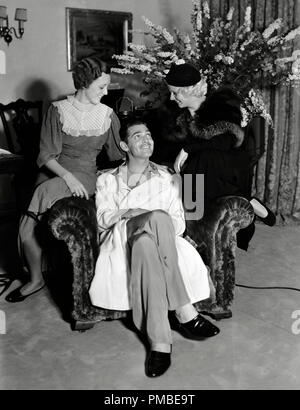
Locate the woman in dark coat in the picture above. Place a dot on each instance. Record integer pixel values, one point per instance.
(213, 141)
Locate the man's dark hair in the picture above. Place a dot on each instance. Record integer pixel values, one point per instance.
(88, 70)
(126, 124)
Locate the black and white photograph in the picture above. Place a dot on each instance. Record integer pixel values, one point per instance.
(150, 198)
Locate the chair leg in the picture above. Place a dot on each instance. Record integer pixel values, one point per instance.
(211, 309)
(82, 326)
(218, 313)
(5, 283)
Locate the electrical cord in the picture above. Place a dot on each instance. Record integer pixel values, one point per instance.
(266, 287)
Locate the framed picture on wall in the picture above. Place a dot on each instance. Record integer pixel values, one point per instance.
(96, 31)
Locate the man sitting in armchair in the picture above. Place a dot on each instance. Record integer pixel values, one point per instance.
(74, 223)
(144, 263)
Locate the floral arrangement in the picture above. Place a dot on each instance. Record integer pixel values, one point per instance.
(247, 60)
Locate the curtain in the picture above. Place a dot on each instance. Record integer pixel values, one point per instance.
(276, 178)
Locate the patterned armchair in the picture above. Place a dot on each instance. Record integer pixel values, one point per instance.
(73, 222)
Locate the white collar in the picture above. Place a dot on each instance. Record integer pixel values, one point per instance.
(79, 105)
(83, 119)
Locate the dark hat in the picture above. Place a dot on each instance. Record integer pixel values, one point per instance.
(182, 75)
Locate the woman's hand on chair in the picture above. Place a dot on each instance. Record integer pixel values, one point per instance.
(75, 186)
(180, 160)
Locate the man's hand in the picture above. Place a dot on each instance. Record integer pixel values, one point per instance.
(75, 186)
(180, 160)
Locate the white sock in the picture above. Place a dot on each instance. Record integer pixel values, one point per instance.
(186, 313)
(161, 347)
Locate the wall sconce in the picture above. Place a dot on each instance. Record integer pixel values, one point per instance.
(5, 30)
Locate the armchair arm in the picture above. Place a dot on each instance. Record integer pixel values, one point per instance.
(73, 220)
(215, 236)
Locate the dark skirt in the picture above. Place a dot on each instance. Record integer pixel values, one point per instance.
(225, 173)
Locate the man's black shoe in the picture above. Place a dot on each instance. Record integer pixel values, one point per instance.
(157, 363)
(198, 328)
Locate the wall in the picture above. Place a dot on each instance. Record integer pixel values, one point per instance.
(36, 65)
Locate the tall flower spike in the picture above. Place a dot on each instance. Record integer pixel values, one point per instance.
(248, 59)
(292, 34)
(206, 10)
(195, 9)
(199, 21)
(139, 48)
(230, 14)
(296, 67)
(169, 38)
(247, 21)
(197, 4)
(147, 22)
(271, 28)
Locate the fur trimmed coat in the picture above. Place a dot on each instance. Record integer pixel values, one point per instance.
(213, 139)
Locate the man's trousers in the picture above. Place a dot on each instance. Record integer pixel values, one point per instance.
(156, 282)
